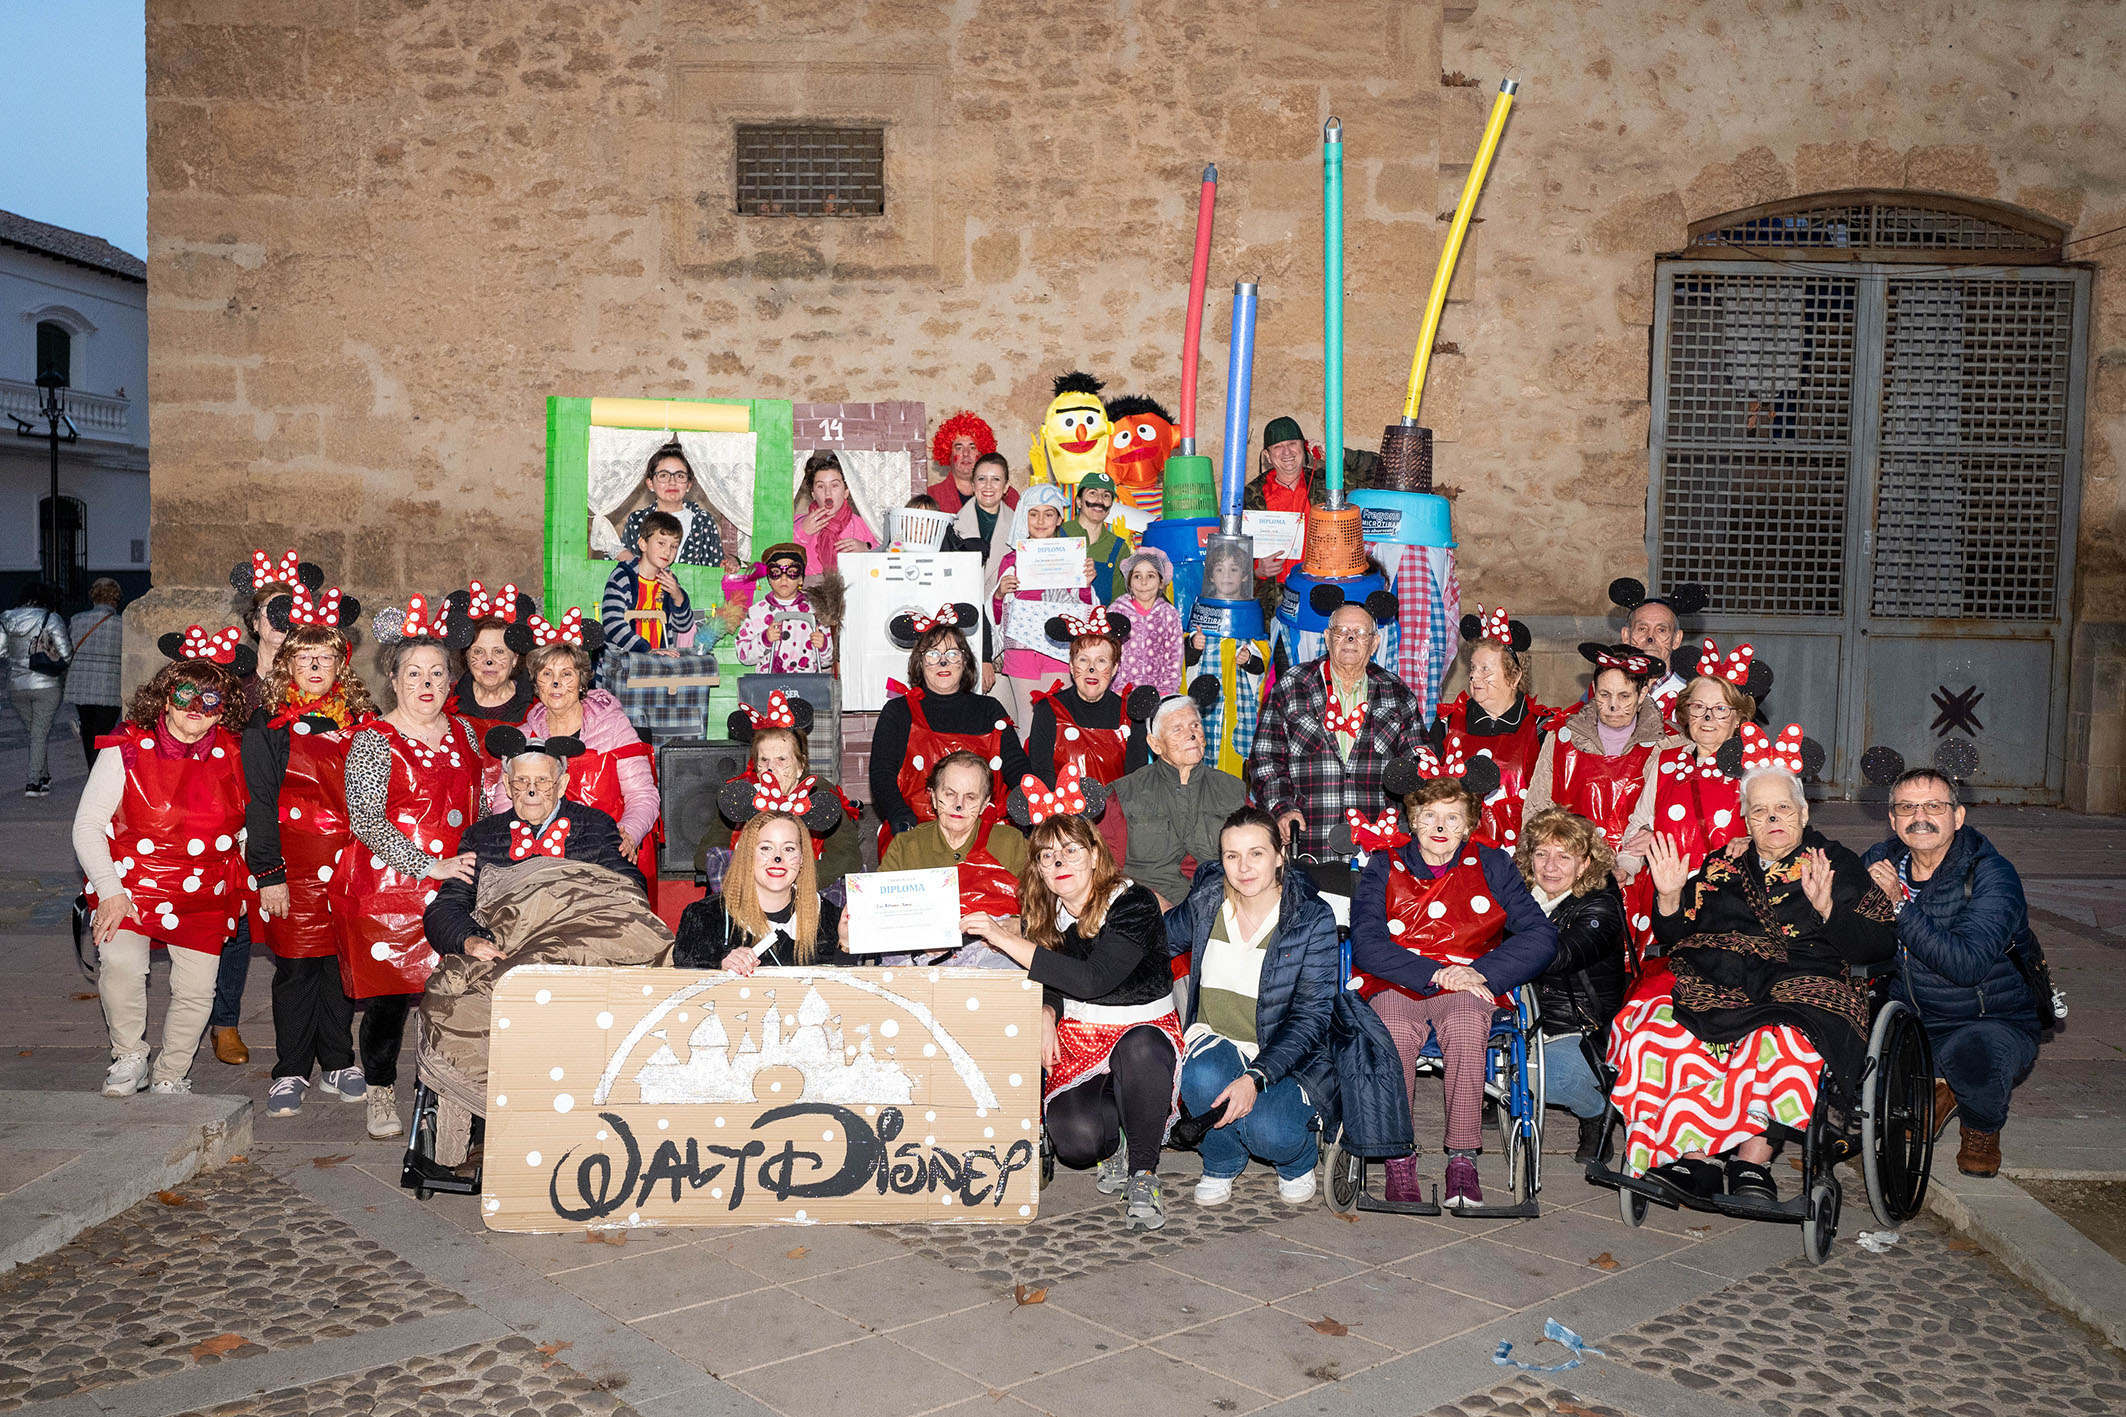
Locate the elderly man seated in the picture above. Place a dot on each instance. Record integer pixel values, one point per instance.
(1328, 731)
(1174, 806)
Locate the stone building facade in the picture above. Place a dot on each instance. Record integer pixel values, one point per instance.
(383, 231)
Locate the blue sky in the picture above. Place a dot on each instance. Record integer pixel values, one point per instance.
(74, 116)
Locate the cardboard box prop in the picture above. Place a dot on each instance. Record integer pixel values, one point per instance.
(630, 1097)
(885, 584)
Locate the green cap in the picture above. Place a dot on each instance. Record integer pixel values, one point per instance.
(1096, 482)
(1282, 430)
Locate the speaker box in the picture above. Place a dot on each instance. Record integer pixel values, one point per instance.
(824, 744)
(689, 771)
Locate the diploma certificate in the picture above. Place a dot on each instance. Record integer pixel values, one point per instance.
(904, 912)
(1277, 534)
(1051, 563)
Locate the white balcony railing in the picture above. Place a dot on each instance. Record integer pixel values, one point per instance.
(99, 416)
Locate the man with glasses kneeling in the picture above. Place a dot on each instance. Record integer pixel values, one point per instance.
(1960, 914)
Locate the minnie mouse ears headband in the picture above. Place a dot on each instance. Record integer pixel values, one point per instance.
(1493, 625)
(1954, 758)
(507, 740)
(224, 647)
(740, 800)
(252, 576)
(1636, 663)
(783, 711)
(1074, 795)
(1328, 599)
(509, 605)
(536, 632)
(907, 627)
(1685, 599)
(1751, 748)
(419, 621)
(1095, 621)
(1740, 667)
(1478, 774)
(329, 608)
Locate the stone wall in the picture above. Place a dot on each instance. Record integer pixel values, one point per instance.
(383, 231)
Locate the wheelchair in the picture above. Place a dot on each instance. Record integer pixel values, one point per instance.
(1891, 1130)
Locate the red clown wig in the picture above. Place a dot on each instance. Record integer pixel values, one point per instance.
(962, 425)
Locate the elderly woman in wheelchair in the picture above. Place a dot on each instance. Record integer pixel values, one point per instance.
(1723, 1053)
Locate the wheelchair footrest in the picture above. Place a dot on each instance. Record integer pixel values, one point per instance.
(1528, 1209)
(419, 1173)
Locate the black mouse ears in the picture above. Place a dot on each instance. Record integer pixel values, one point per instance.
(909, 626)
(1494, 625)
(1685, 599)
(1094, 621)
(330, 608)
(1142, 702)
(1789, 749)
(1074, 795)
(783, 711)
(1954, 758)
(1204, 692)
(1476, 772)
(810, 801)
(534, 631)
(1327, 599)
(224, 647)
(419, 621)
(507, 740)
(252, 576)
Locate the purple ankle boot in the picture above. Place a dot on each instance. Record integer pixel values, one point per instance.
(1402, 1180)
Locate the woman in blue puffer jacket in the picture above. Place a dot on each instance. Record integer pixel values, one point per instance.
(1262, 983)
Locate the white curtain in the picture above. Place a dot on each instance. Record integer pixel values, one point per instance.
(878, 482)
(723, 471)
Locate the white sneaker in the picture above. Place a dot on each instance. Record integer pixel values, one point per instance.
(384, 1113)
(1297, 1191)
(347, 1082)
(170, 1087)
(1214, 1190)
(127, 1076)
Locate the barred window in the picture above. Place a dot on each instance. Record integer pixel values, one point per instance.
(811, 170)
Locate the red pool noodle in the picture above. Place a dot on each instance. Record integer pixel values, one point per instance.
(1199, 276)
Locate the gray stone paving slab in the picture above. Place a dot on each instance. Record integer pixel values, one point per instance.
(874, 1376)
(506, 1377)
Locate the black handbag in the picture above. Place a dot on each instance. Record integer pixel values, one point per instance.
(45, 657)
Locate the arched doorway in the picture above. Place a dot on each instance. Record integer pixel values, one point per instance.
(1866, 443)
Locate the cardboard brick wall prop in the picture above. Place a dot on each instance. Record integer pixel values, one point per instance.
(632, 1097)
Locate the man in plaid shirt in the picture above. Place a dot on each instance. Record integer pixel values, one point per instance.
(1328, 731)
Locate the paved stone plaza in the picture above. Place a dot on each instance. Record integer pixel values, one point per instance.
(303, 1280)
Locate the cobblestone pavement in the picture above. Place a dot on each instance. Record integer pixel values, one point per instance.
(1524, 1397)
(513, 1377)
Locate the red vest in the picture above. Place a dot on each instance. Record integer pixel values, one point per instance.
(1100, 753)
(313, 829)
(377, 911)
(173, 839)
(927, 746)
(1602, 789)
(986, 885)
(1452, 918)
(1699, 808)
(1515, 753)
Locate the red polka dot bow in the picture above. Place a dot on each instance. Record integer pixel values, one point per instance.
(1334, 720)
(1494, 625)
(420, 625)
(1629, 663)
(1092, 622)
(320, 609)
(1066, 799)
(1783, 751)
(769, 796)
(265, 571)
(946, 617)
(1735, 669)
(220, 646)
(524, 842)
(776, 715)
(568, 631)
(1383, 835)
(1453, 762)
(503, 607)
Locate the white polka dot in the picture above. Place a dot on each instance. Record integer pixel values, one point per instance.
(554, 1075)
(605, 1020)
(930, 1050)
(221, 888)
(891, 1028)
(1002, 725)
(1511, 833)
(229, 923)
(664, 1124)
(1468, 860)
(1642, 922)
(126, 865)
(564, 1103)
(1026, 1210)
(775, 1087)
(719, 1121)
(1436, 910)
(501, 1099)
(1396, 927)
(501, 1023)
(299, 728)
(251, 882)
(380, 950)
(195, 847)
(221, 753)
(531, 1158)
(492, 1206)
(916, 762)
(1481, 904)
(1070, 735)
(973, 1003)
(144, 847)
(191, 883)
(224, 842)
(430, 898)
(996, 764)
(1011, 1030)
(435, 844)
(376, 863)
(1675, 812)
(455, 817)
(1014, 1080)
(324, 873)
(1722, 817)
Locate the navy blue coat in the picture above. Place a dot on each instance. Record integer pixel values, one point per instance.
(1530, 943)
(1953, 950)
(1299, 976)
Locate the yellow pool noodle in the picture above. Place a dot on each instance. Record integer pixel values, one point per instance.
(1436, 302)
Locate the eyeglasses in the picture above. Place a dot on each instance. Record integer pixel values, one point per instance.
(1712, 711)
(1060, 855)
(186, 696)
(669, 474)
(785, 568)
(942, 656)
(317, 663)
(1905, 811)
(1350, 633)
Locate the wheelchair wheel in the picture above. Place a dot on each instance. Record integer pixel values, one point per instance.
(1343, 1176)
(1819, 1226)
(1631, 1206)
(84, 938)
(1897, 1115)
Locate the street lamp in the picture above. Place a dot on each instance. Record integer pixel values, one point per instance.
(59, 428)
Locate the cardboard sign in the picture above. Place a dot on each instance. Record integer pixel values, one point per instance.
(631, 1097)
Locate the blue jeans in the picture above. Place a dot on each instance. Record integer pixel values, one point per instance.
(1567, 1080)
(1983, 1060)
(229, 983)
(1278, 1129)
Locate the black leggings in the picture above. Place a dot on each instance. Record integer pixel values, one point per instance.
(383, 1029)
(1132, 1099)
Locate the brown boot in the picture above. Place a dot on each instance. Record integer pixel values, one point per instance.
(1980, 1154)
(229, 1047)
(1944, 1104)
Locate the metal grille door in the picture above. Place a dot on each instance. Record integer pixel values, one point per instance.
(1874, 470)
